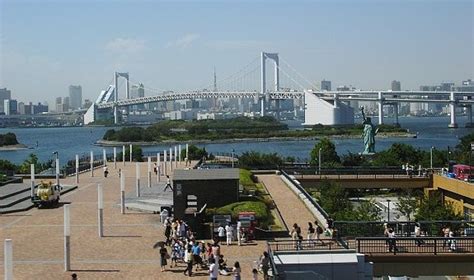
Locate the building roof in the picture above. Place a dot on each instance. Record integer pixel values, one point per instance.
(206, 174)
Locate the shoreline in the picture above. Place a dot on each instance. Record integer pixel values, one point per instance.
(15, 147)
(106, 143)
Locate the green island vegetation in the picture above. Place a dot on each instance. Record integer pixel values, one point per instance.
(8, 139)
(24, 167)
(254, 199)
(237, 128)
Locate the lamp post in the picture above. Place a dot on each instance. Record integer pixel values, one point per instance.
(431, 158)
(319, 161)
(388, 210)
(57, 167)
(233, 151)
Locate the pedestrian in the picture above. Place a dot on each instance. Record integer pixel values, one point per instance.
(168, 232)
(213, 269)
(74, 276)
(445, 232)
(236, 271)
(392, 245)
(319, 231)
(254, 274)
(239, 228)
(196, 250)
(168, 184)
(310, 234)
(265, 263)
(188, 258)
(120, 172)
(418, 240)
(452, 242)
(221, 233)
(155, 168)
(294, 234)
(106, 171)
(228, 234)
(216, 250)
(163, 257)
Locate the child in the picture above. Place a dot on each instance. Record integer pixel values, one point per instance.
(254, 274)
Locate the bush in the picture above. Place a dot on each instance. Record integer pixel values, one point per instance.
(245, 178)
(8, 139)
(260, 209)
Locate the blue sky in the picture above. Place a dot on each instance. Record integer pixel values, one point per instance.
(48, 45)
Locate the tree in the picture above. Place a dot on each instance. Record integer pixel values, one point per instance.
(256, 160)
(367, 211)
(335, 201)
(407, 203)
(352, 159)
(194, 152)
(329, 155)
(432, 208)
(137, 154)
(463, 149)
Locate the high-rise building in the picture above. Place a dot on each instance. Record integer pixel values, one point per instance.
(40, 108)
(21, 108)
(326, 85)
(10, 106)
(59, 104)
(75, 97)
(4, 94)
(396, 85)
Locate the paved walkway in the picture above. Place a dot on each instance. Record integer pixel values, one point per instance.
(290, 206)
(124, 253)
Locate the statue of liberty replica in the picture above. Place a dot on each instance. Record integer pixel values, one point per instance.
(369, 133)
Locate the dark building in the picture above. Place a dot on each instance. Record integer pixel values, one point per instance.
(326, 85)
(192, 189)
(396, 85)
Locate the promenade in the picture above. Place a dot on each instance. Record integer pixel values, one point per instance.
(125, 252)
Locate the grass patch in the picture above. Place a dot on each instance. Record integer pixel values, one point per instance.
(245, 178)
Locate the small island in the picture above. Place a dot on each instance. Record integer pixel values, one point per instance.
(236, 129)
(8, 142)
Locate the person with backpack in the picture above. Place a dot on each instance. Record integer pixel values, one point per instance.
(319, 231)
(310, 233)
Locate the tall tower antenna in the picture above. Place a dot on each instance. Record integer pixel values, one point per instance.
(215, 80)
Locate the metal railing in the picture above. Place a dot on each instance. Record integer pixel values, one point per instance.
(303, 245)
(414, 245)
(349, 229)
(306, 194)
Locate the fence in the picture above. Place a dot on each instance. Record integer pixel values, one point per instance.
(412, 245)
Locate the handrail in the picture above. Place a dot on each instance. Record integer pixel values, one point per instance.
(306, 194)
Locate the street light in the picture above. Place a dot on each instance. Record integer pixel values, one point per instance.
(57, 166)
(319, 161)
(388, 210)
(431, 158)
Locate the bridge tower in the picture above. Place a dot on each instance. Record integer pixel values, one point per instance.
(117, 75)
(265, 98)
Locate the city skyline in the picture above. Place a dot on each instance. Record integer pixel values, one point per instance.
(176, 45)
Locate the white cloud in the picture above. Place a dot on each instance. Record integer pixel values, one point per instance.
(125, 45)
(184, 41)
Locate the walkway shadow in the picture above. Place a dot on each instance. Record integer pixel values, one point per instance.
(95, 270)
(123, 236)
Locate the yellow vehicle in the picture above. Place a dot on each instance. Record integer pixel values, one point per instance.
(46, 194)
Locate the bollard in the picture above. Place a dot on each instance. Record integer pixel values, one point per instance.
(57, 171)
(131, 152)
(67, 237)
(123, 154)
(164, 162)
(187, 153)
(92, 164)
(171, 159)
(100, 206)
(179, 153)
(122, 192)
(149, 172)
(8, 259)
(158, 167)
(175, 156)
(32, 185)
(104, 157)
(77, 169)
(115, 157)
(137, 169)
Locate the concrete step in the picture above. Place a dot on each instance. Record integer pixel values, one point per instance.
(24, 204)
(154, 209)
(14, 199)
(155, 202)
(12, 189)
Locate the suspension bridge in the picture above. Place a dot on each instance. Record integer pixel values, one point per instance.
(250, 84)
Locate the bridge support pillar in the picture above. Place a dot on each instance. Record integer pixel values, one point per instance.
(262, 106)
(452, 107)
(277, 109)
(395, 114)
(380, 103)
(115, 115)
(469, 116)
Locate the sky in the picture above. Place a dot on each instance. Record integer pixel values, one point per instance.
(45, 45)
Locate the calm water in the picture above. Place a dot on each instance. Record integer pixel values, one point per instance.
(79, 140)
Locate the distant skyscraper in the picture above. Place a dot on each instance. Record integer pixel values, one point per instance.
(4, 94)
(396, 85)
(326, 85)
(10, 106)
(75, 97)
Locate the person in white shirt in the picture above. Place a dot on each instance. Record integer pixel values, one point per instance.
(228, 234)
(221, 233)
(213, 270)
